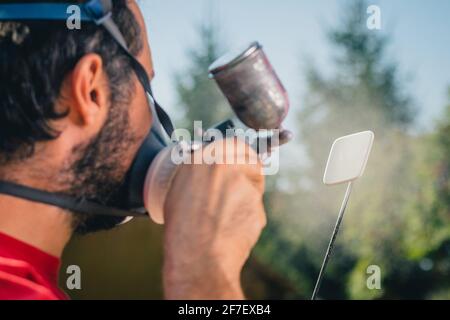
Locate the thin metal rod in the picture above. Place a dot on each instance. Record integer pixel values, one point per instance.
(332, 240)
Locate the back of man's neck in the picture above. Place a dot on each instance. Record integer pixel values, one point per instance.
(44, 227)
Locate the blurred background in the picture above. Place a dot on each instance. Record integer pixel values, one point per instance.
(342, 78)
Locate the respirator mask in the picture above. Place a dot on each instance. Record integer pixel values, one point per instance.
(130, 202)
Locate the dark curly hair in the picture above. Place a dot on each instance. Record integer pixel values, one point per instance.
(36, 56)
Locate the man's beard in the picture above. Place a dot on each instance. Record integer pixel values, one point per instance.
(99, 170)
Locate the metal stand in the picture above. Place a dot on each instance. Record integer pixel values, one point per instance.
(332, 240)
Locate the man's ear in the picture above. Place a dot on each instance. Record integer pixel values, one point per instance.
(89, 91)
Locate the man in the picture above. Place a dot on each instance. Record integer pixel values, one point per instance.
(72, 118)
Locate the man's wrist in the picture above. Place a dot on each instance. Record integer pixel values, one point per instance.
(206, 280)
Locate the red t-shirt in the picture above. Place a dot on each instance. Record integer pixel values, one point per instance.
(27, 273)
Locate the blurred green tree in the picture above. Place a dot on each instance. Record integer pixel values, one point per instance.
(428, 242)
(198, 96)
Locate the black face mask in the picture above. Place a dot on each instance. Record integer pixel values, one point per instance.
(130, 201)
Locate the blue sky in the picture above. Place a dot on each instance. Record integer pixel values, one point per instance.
(291, 30)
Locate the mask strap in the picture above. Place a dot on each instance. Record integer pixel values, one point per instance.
(101, 11)
(63, 201)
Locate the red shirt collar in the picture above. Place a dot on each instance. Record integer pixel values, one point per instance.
(44, 263)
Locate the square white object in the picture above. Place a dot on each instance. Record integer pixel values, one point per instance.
(348, 158)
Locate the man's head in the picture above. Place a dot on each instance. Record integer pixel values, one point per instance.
(72, 114)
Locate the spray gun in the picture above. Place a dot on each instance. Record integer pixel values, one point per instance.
(259, 101)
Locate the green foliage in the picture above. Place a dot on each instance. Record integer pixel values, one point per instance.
(429, 216)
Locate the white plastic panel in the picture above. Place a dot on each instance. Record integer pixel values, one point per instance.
(348, 158)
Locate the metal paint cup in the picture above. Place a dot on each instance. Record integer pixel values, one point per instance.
(252, 87)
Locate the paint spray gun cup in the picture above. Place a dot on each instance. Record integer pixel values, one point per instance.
(253, 89)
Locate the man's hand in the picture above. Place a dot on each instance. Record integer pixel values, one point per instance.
(214, 215)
